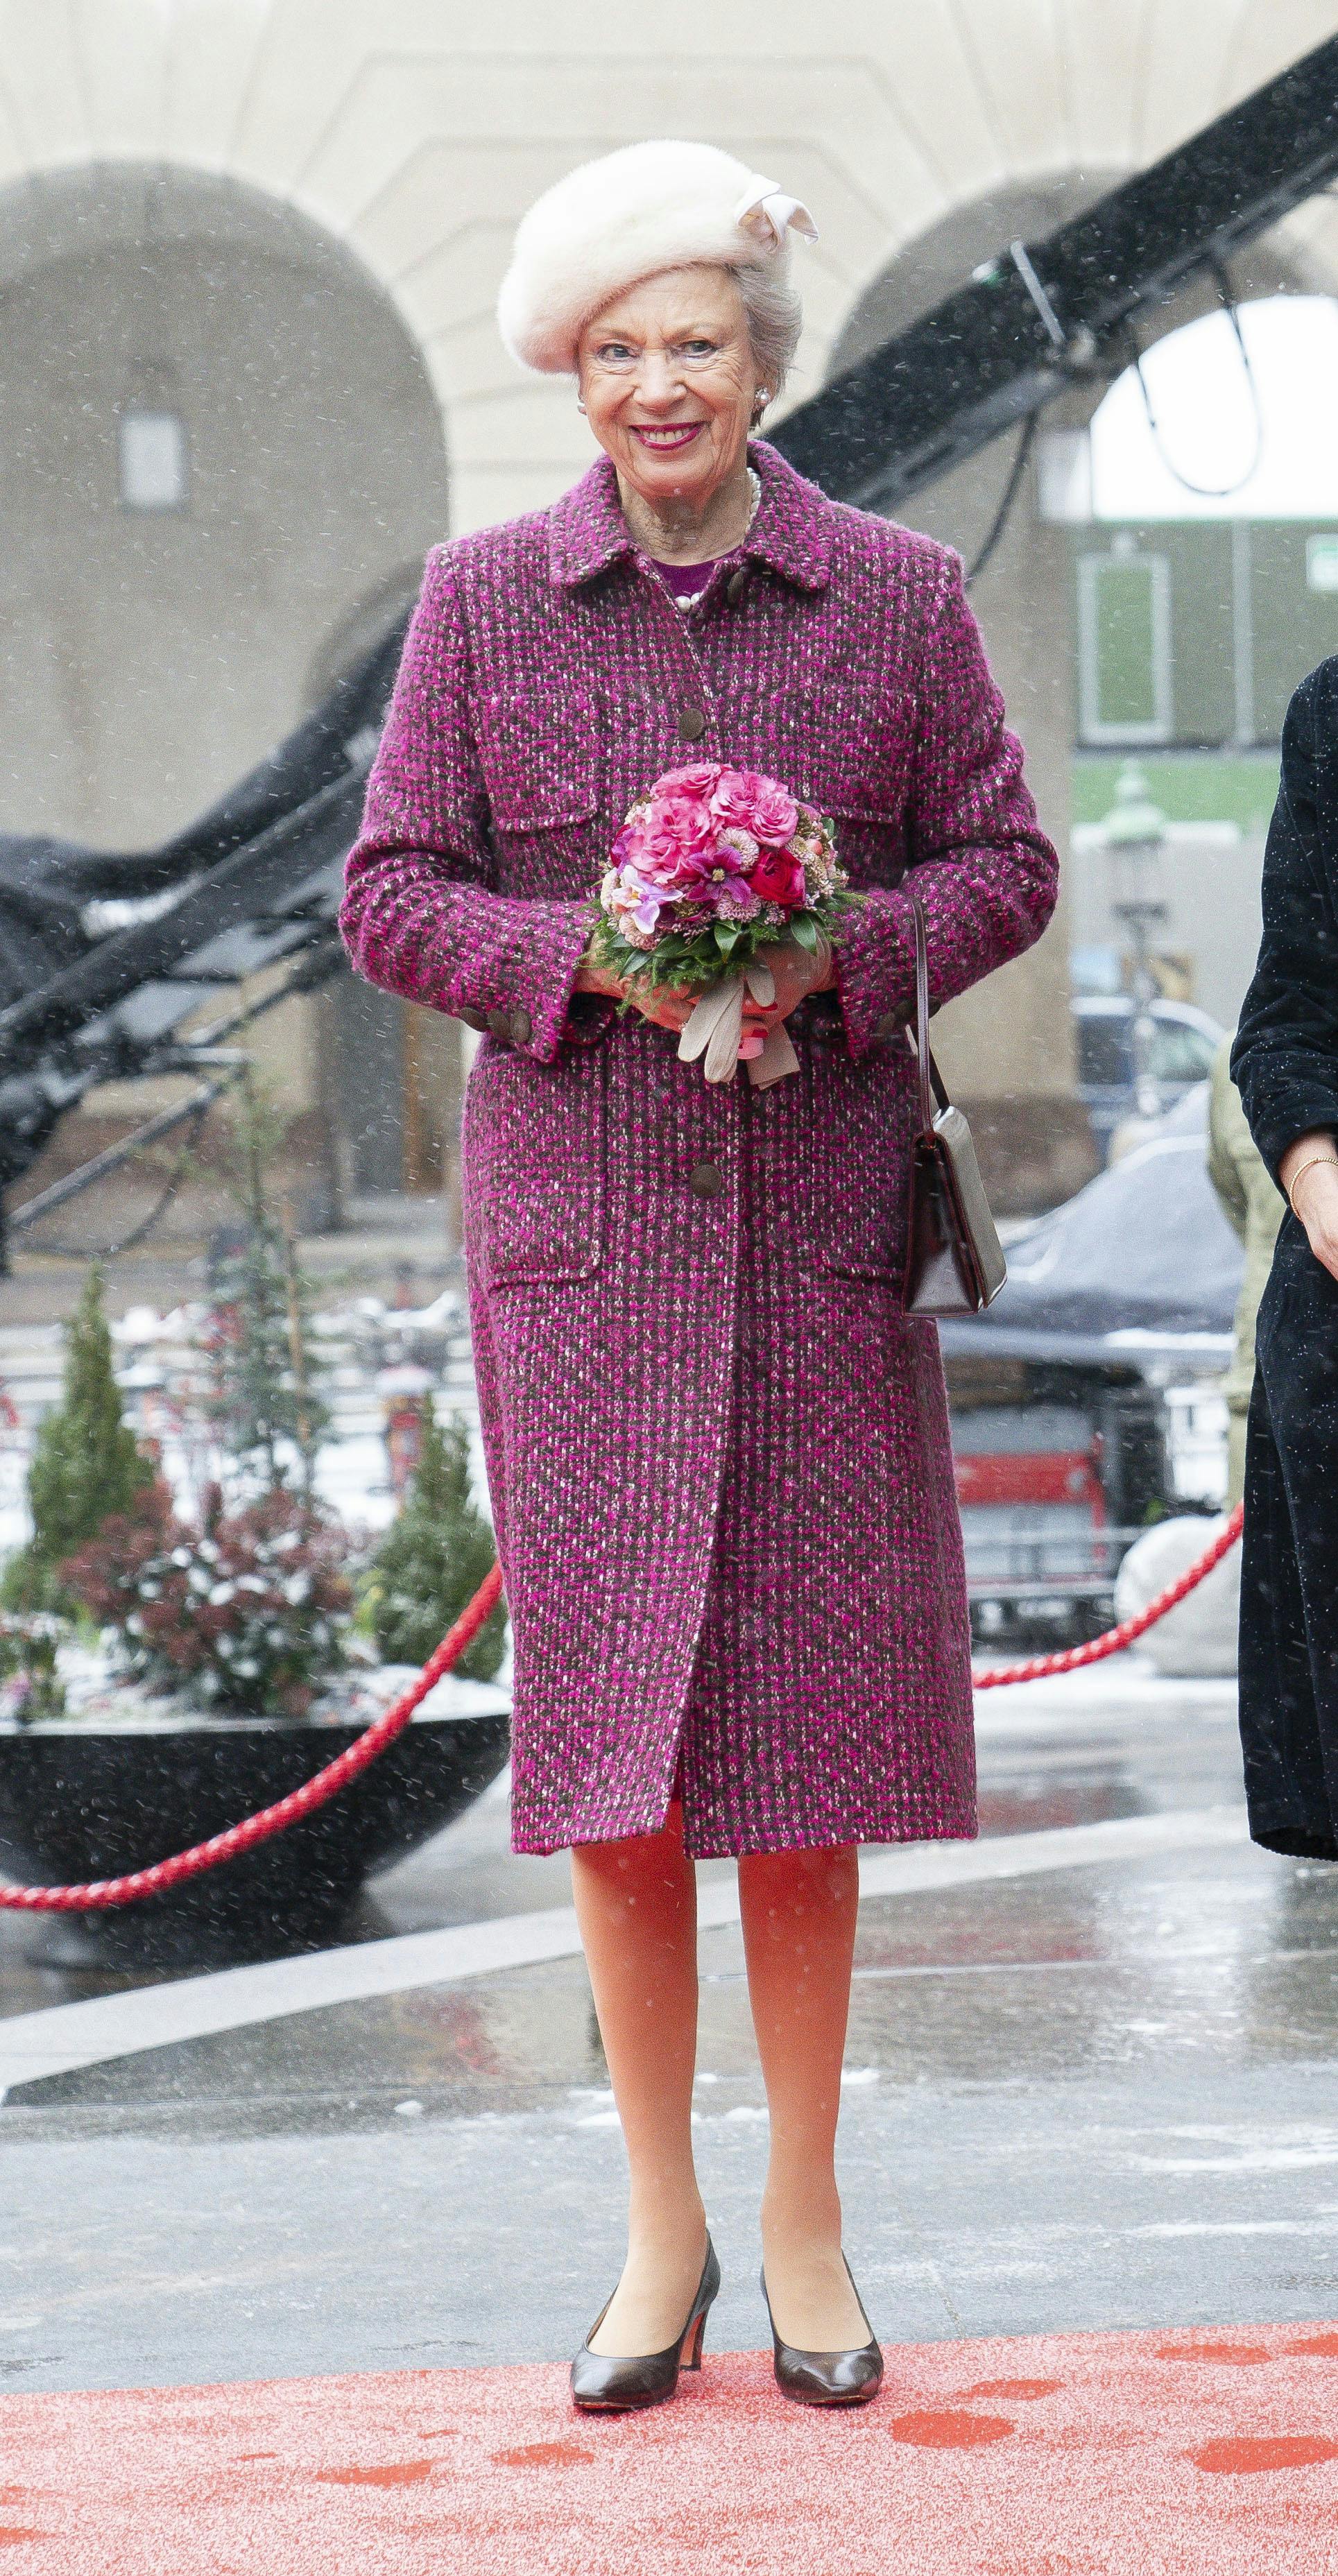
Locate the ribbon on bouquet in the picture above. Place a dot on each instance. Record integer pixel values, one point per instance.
(714, 1030)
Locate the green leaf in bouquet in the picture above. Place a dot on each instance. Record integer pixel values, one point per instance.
(725, 935)
(804, 930)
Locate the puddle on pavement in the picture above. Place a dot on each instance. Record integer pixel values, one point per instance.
(1231, 1955)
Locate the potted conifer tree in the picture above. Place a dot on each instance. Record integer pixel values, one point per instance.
(227, 1633)
(434, 1557)
(86, 1464)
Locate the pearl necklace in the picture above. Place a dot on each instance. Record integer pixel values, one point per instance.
(755, 501)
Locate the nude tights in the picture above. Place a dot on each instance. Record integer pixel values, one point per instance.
(636, 1903)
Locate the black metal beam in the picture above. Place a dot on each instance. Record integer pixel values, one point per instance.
(990, 353)
(264, 878)
(1040, 317)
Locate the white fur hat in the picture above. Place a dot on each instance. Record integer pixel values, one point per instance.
(614, 221)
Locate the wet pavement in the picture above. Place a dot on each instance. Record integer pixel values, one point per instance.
(1098, 2095)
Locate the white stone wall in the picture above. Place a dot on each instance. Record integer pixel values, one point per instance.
(417, 131)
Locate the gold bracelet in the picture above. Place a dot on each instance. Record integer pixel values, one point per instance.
(1307, 1166)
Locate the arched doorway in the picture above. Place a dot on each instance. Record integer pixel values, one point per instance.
(222, 463)
(1008, 1046)
(1201, 503)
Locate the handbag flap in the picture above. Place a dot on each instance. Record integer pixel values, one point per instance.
(941, 1277)
(962, 1172)
(955, 1262)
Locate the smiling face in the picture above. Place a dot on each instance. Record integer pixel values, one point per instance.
(669, 383)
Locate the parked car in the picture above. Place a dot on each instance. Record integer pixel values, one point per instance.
(1185, 1041)
(1085, 1403)
(1061, 1462)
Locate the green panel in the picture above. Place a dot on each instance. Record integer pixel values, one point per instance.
(1126, 692)
(1203, 682)
(1202, 671)
(1294, 627)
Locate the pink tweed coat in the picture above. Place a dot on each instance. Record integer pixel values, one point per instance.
(717, 1450)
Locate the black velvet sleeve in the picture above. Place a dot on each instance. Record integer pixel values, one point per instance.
(1285, 1059)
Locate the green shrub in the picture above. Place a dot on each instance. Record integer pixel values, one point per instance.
(85, 1463)
(262, 1402)
(433, 1559)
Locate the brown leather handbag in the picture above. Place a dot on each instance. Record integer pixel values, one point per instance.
(954, 1259)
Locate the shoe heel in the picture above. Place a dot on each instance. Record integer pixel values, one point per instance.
(690, 2357)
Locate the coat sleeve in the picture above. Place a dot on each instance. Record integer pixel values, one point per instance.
(420, 914)
(987, 874)
(1285, 1059)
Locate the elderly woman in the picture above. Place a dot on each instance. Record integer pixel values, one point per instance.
(1285, 1062)
(717, 1448)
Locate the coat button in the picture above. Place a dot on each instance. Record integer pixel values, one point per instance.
(475, 1020)
(691, 724)
(707, 1180)
(736, 587)
(520, 1025)
(499, 1026)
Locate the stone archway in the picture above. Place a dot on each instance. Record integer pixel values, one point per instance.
(223, 463)
(1007, 1045)
(153, 653)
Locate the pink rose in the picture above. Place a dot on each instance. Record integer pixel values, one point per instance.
(779, 878)
(678, 841)
(757, 805)
(698, 779)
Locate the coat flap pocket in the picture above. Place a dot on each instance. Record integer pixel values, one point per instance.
(843, 750)
(534, 1162)
(864, 1119)
(540, 757)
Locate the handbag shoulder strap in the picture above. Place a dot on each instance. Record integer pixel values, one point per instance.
(932, 1085)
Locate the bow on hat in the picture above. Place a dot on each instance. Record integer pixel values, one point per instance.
(765, 211)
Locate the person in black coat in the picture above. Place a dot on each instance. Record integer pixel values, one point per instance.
(1285, 1064)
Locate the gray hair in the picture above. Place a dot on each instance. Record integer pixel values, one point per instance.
(775, 319)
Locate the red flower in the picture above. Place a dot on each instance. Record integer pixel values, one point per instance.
(778, 877)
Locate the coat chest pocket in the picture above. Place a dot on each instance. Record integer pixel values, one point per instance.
(864, 1118)
(541, 757)
(846, 751)
(534, 1165)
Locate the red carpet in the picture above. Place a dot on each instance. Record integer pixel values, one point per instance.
(1065, 2455)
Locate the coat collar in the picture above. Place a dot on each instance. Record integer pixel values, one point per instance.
(791, 534)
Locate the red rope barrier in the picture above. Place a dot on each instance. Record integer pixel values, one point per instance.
(138, 1883)
(1115, 1640)
(98, 1893)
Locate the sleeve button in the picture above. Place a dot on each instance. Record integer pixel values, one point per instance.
(499, 1026)
(474, 1020)
(520, 1026)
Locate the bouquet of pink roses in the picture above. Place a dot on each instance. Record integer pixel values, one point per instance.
(710, 870)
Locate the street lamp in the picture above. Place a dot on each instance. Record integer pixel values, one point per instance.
(1134, 832)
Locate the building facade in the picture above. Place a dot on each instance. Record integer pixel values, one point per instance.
(249, 251)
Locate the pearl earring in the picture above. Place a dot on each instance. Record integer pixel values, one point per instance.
(579, 403)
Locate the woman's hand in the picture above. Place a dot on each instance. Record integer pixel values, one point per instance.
(795, 972)
(1312, 1164)
(665, 1005)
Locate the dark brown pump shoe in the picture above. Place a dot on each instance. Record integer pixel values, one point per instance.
(613, 2383)
(827, 2378)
